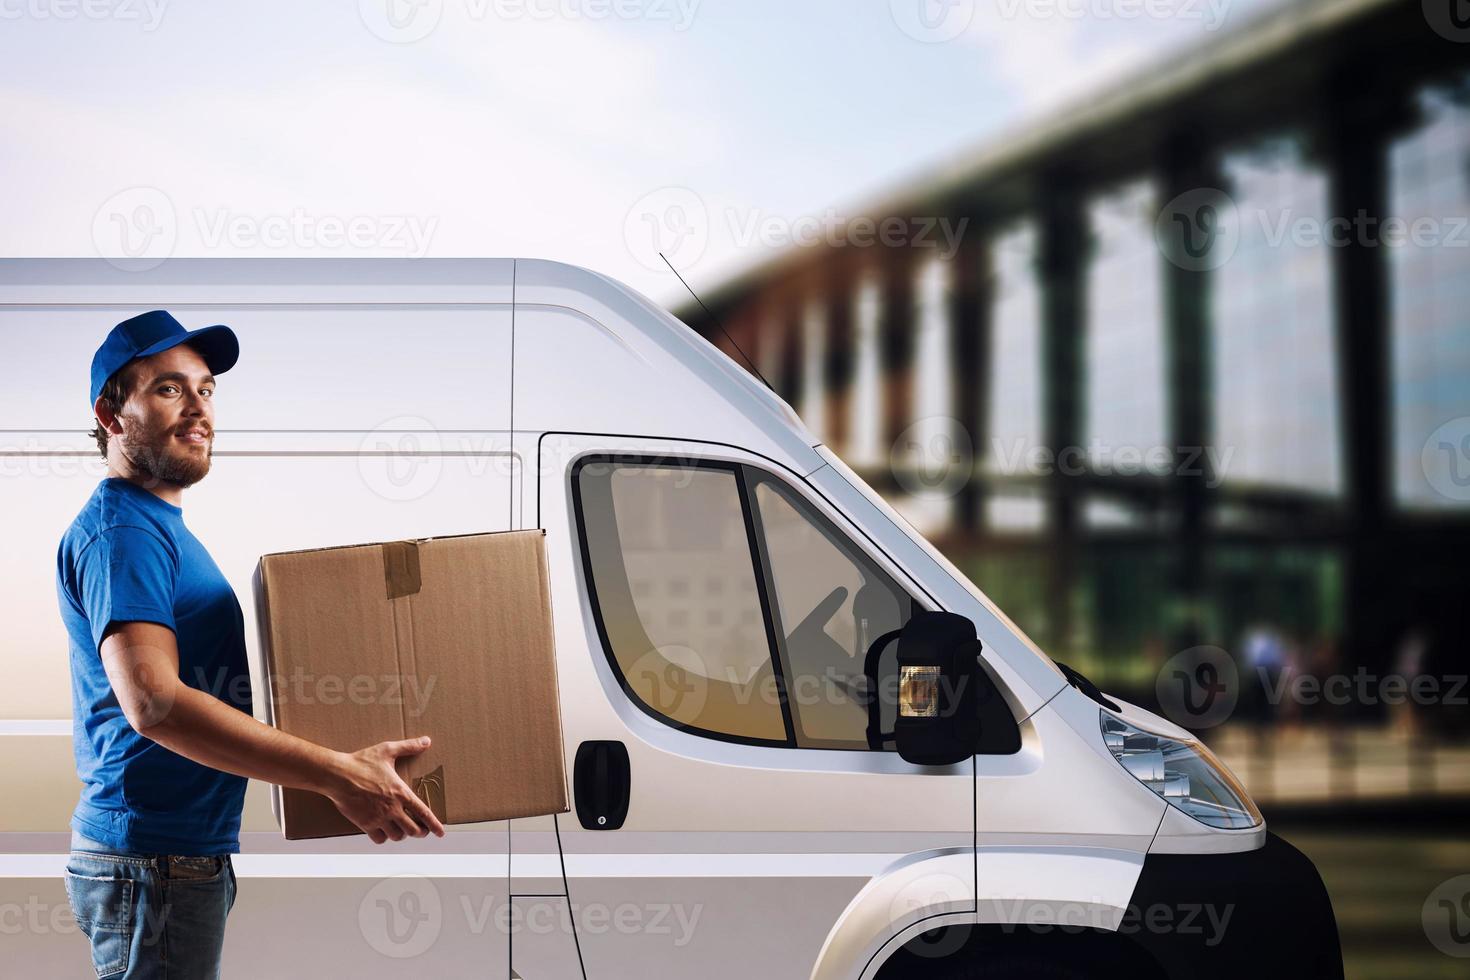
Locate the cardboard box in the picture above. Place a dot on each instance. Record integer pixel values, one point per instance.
(447, 637)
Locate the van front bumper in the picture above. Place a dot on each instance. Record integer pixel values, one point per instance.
(1261, 913)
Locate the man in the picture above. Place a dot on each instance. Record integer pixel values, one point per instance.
(161, 704)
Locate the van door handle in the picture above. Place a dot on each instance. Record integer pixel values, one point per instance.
(602, 784)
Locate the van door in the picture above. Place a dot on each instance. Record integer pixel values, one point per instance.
(712, 613)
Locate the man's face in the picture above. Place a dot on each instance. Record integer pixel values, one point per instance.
(168, 421)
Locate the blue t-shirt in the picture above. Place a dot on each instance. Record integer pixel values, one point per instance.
(128, 556)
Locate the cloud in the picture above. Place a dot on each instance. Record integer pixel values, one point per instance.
(1056, 58)
(517, 136)
(525, 139)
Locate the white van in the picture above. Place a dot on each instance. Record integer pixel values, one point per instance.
(728, 597)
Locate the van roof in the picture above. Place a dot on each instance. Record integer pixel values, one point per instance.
(591, 353)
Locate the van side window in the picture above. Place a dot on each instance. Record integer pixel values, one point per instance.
(728, 606)
(677, 598)
(831, 602)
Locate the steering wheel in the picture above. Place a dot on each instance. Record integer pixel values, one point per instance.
(816, 621)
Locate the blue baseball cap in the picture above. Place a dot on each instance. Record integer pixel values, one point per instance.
(156, 331)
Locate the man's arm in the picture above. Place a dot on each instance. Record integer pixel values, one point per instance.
(142, 663)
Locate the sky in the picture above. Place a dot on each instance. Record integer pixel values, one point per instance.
(596, 132)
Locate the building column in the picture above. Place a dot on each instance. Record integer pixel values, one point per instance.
(896, 342)
(769, 338)
(1358, 131)
(838, 370)
(787, 314)
(1185, 167)
(813, 324)
(971, 299)
(1061, 274)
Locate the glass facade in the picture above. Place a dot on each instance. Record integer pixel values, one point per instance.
(1015, 410)
(930, 448)
(1429, 303)
(1123, 354)
(865, 437)
(813, 409)
(1275, 386)
(933, 397)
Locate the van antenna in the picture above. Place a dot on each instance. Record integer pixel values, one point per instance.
(713, 319)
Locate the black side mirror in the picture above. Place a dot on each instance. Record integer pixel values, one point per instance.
(939, 681)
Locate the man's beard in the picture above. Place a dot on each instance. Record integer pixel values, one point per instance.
(154, 454)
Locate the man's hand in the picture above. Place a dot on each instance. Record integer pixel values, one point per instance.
(142, 664)
(373, 795)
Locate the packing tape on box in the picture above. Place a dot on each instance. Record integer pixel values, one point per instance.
(430, 788)
(401, 568)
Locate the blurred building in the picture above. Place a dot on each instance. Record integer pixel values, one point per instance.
(1260, 415)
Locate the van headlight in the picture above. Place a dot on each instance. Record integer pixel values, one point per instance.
(1186, 774)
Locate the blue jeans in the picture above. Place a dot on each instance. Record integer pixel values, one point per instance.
(150, 916)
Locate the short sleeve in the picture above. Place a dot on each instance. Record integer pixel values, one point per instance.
(126, 574)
